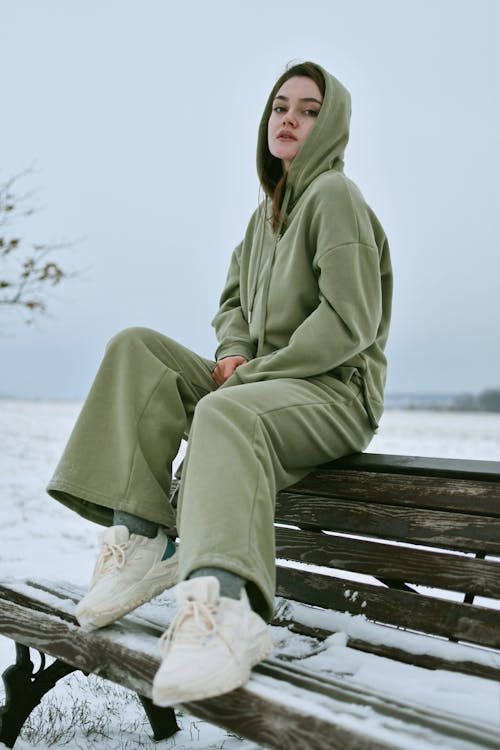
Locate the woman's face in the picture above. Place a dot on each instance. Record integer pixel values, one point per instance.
(295, 109)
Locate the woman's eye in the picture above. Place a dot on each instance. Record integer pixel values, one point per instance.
(312, 112)
(278, 108)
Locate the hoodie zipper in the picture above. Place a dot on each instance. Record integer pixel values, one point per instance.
(255, 285)
(267, 278)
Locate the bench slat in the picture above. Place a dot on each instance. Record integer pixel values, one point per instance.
(387, 561)
(73, 645)
(9, 593)
(437, 528)
(356, 713)
(428, 466)
(473, 497)
(427, 614)
(339, 689)
(99, 653)
(282, 706)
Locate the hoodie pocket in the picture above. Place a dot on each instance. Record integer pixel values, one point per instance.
(352, 377)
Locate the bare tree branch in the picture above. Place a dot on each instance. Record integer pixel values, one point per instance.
(27, 272)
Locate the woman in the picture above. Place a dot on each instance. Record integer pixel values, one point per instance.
(298, 381)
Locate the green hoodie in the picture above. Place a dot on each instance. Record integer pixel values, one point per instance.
(314, 299)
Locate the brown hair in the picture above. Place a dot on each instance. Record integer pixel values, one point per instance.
(272, 177)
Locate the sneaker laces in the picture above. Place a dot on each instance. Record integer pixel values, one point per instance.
(112, 555)
(203, 624)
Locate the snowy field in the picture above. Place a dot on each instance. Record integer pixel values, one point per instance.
(37, 536)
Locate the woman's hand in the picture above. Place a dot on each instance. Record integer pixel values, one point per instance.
(225, 368)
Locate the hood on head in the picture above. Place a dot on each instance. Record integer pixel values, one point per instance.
(324, 147)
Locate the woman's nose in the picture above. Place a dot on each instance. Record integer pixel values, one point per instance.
(289, 118)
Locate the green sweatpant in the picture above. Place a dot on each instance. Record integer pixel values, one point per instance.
(246, 442)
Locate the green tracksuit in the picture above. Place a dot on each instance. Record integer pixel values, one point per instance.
(309, 309)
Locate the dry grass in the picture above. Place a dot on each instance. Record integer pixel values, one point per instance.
(86, 713)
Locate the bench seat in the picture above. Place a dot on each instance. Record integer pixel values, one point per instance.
(396, 557)
(284, 705)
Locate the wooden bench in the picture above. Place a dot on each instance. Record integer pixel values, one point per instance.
(408, 551)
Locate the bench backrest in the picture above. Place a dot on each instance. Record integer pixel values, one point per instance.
(405, 541)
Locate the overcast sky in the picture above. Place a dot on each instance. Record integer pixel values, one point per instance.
(141, 119)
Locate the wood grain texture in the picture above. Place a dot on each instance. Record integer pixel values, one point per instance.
(8, 593)
(412, 565)
(461, 622)
(291, 709)
(472, 496)
(420, 465)
(460, 531)
(275, 724)
(91, 652)
(387, 651)
(446, 504)
(343, 691)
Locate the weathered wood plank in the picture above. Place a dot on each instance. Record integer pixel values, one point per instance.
(99, 653)
(275, 724)
(431, 527)
(387, 561)
(248, 711)
(338, 689)
(433, 502)
(448, 619)
(355, 714)
(9, 593)
(418, 613)
(440, 493)
(423, 465)
(426, 661)
(314, 717)
(91, 652)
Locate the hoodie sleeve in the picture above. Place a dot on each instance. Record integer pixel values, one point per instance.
(230, 324)
(343, 324)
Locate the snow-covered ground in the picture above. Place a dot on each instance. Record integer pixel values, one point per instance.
(37, 535)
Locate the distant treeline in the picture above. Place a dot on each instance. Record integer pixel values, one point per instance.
(488, 400)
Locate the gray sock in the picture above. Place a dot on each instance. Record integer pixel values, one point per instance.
(230, 583)
(134, 524)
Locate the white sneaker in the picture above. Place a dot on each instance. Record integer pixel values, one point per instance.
(211, 645)
(129, 572)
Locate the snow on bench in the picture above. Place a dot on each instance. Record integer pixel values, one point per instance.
(396, 559)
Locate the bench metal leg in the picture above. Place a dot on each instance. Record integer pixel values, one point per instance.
(24, 689)
(162, 720)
